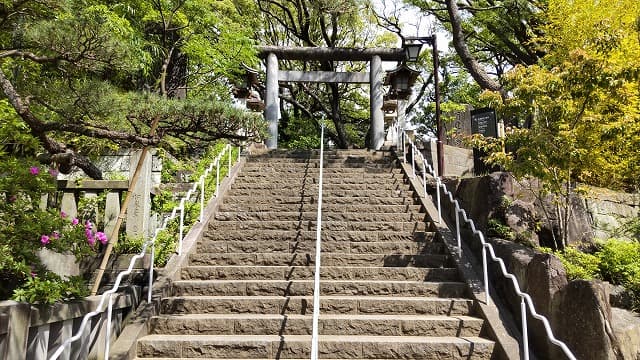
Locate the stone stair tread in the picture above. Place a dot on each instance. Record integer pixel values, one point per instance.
(409, 259)
(332, 338)
(240, 316)
(286, 272)
(409, 282)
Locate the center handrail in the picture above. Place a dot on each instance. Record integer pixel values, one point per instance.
(526, 303)
(316, 278)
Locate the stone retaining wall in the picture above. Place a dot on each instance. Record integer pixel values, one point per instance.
(35, 331)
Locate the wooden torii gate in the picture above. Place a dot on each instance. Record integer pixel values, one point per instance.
(375, 56)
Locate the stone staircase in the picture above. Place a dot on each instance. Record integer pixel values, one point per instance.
(387, 291)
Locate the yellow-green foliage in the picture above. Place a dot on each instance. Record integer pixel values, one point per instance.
(582, 99)
(616, 261)
(577, 264)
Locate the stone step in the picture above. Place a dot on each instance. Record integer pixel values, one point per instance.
(363, 193)
(307, 186)
(299, 346)
(303, 305)
(329, 259)
(315, 164)
(313, 199)
(316, 157)
(309, 247)
(296, 153)
(243, 272)
(269, 169)
(312, 215)
(326, 208)
(328, 324)
(305, 288)
(311, 225)
(326, 180)
(308, 235)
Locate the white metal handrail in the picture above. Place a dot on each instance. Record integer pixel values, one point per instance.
(151, 242)
(525, 300)
(316, 278)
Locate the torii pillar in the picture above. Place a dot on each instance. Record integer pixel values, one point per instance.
(272, 101)
(376, 102)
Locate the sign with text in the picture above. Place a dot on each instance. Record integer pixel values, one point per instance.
(483, 121)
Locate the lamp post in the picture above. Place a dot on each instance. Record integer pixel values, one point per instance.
(412, 46)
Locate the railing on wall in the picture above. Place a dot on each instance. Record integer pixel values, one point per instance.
(526, 303)
(107, 299)
(32, 332)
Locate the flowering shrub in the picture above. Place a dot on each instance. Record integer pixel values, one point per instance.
(27, 228)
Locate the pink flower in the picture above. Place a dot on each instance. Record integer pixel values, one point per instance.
(12, 199)
(88, 225)
(102, 237)
(53, 172)
(63, 214)
(75, 221)
(90, 238)
(34, 170)
(55, 235)
(44, 239)
(33, 274)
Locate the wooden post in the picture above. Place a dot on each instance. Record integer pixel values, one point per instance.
(113, 238)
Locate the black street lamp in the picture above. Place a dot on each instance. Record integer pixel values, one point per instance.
(412, 46)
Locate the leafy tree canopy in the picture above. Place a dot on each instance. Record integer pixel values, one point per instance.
(82, 76)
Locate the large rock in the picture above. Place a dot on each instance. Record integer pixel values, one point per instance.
(499, 196)
(583, 305)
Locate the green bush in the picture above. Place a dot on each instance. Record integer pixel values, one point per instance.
(620, 264)
(615, 261)
(577, 264)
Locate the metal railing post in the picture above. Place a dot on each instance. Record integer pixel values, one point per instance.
(181, 228)
(458, 237)
(316, 278)
(151, 261)
(525, 334)
(107, 337)
(202, 197)
(217, 174)
(413, 160)
(485, 275)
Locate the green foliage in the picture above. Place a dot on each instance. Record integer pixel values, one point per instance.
(27, 228)
(165, 201)
(620, 264)
(630, 228)
(578, 264)
(51, 289)
(495, 227)
(616, 261)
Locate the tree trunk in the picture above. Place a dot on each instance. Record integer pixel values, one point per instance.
(471, 64)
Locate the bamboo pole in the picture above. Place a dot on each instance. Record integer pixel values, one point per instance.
(113, 238)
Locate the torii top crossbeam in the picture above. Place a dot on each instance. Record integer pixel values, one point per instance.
(332, 54)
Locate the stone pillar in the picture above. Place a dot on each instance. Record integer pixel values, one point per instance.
(377, 94)
(272, 103)
(401, 111)
(139, 209)
(111, 211)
